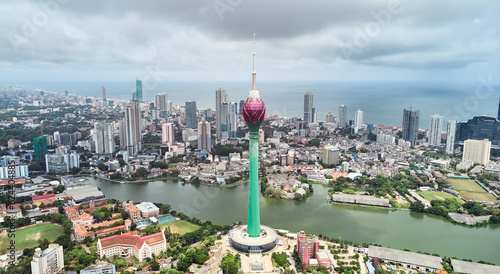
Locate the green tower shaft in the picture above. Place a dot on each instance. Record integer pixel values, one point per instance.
(253, 227)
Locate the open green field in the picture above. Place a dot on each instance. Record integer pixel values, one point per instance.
(470, 190)
(437, 195)
(182, 227)
(28, 237)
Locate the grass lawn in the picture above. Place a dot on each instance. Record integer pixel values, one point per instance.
(470, 190)
(28, 237)
(437, 195)
(466, 185)
(182, 227)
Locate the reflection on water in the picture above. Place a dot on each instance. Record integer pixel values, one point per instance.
(394, 228)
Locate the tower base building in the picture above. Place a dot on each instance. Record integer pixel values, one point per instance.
(241, 240)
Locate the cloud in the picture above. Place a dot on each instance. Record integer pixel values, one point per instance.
(212, 39)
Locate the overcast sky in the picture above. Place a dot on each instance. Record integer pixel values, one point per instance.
(212, 40)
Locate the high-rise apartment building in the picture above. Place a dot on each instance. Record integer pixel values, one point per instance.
(103, 137)
(161, 101)
(342, 116)
(220, 98)
(329, 117)
(49, 261)
(435, 130)
(204, 136)
(103, 93)
(450, 136)
(410, 125)
(191, 114)
(308, 107)
(40, 145)
(167, 133)
(358, 120)
(477, 151)
(229, 120)
(132, 137)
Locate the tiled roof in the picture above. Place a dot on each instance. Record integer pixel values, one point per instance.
(43, 197)
(134, 241)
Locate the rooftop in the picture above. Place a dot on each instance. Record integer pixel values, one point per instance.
(395, 255)
(80, 193)
(147, 207)
(474, 268)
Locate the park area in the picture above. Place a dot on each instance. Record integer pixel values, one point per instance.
(182, 227)
(470, 190)
(437, 195)
(28, 237)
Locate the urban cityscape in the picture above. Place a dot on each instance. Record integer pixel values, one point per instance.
(99, 181)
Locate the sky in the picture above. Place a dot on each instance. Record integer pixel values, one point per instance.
(377, 40)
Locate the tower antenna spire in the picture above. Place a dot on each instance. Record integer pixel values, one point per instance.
(254, 74)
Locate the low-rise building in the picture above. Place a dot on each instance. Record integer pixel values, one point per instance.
(138, 247)
(148, 210)
(100, 267)
(406, 259)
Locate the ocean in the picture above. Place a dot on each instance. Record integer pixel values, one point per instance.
(381, 102)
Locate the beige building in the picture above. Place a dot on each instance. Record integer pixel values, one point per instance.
(127, 245)
(477, 151)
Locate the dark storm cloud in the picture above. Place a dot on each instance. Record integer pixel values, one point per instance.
(214, 37)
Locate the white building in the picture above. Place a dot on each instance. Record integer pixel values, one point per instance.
(51, 260)
(19, 171)
(477, 151)
(358, 120)
(435, 130)
(167, 133)
(61, 163)
(450, 136)
(386, 139)
(103, 137)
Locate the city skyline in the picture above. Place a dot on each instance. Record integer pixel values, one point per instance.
(327, 41)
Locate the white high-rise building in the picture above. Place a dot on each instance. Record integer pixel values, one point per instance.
(329, 117)
(220, 98)
(477, 151)
(358, 120)
(103, 137)
(57, 137)
(342, 116)
(435, 130)
(167, 133)
(131, 135)
(308, 107)
(103, 93)
(161, 102)
(450, 136)
(49, 261)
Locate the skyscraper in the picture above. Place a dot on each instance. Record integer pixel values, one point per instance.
(498, 115)
(161, 101)
(342, 116)
(40, 145)
(167, 133)
(308, 107)
(103, 93)
(137, 95)
(450, 136)
(329, 117)
(204, 138)
(103, 137)
(51, 260)
(220, 98)
(132, 134)
(435, 130)
(410, 125)
(480, 128)
(191, 114)
(358, 120)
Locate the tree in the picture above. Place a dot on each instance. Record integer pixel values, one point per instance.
(418, 206)
(155, 266)
(165, 208)
(141, 172)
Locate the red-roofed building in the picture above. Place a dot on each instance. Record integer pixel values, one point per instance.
(84, 219)
(16, 182)
(46, 199)
(138, 247)
(71, 212)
